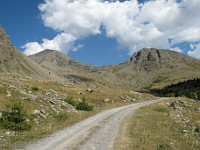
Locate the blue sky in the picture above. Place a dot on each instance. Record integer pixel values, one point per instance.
(105, 32)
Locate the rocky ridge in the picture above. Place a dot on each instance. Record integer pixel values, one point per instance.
(145, 68)
(14, 61)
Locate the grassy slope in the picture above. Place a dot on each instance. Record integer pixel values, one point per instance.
(50, 124)
(152, 128)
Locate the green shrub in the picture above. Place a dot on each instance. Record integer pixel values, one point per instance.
(14, 118)
(70, 101)
(35, 88)
(61, 116)
(92, 91)
(84, 106)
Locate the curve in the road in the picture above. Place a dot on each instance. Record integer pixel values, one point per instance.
(95, 133)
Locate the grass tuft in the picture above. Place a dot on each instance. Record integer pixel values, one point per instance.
(61, 116)
(160, 109)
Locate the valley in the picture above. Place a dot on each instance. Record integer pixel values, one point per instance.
(46, 92)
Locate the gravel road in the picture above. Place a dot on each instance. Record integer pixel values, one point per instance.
(95, 133)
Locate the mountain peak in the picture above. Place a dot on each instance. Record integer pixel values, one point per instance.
(159, 55)
(58, 61)
(147, 54)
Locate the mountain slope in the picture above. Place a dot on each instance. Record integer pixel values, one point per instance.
(145, 69)
(153, 66)
(58, 61)
(15, 62)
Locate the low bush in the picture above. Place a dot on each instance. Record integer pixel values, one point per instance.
(35, 88)
(84, 106)
(14, 118)
(70, 101)
(92, 91)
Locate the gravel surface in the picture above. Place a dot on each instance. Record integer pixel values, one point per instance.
(95, 133)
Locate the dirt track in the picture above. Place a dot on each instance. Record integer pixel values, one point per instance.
(95, 133)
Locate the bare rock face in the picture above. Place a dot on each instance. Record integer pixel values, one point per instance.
(151, 58)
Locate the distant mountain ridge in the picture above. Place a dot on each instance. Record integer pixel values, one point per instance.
(57, 61)
(147, 68)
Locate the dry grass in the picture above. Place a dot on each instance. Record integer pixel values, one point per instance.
(51, 125)
(150, 128)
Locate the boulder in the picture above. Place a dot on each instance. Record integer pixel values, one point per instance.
(48, 94)
(43, 111)
(52, 102)
(27, 120)
(89, 90)
(33, 97)
(8, 95)
(80, 93)
(36, 112)
(36, 121)
(53, 91)
(133, 100)
(8, 92)
(42, 116)
(132, 92)
(23, 92)
(106, 100)
(197, 109)
(79, 100)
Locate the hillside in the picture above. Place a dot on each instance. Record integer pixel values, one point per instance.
(13, 61)
(152, 68)
(58, 61)
(148, 68)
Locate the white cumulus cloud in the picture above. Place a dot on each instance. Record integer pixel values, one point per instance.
(134, 25)
(195, 50)
(177, 49)
(62, 42)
